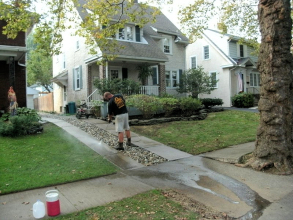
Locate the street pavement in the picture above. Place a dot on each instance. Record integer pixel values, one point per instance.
(210, 178)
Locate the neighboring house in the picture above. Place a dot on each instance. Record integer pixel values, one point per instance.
(41, 89)
(161, 45)
(31, 94)
(227, 60)
(12, 68)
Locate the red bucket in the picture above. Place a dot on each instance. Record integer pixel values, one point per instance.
(52, 202)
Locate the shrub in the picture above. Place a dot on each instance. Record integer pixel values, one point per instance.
(208, 102)
(20, 125)
(125, 87)
(243, 100)
(22, 112)
(148, 105)
(169, 105)
(189, 105)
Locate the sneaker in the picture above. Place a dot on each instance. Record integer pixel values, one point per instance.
(119, 147)
(128, 142)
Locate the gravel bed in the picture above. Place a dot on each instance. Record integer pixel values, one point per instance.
(137, 153)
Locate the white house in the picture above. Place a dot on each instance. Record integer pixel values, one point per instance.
(30, 95)
(160, 45)
(227, 60)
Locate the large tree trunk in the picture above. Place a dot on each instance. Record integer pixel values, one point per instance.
(274, 136)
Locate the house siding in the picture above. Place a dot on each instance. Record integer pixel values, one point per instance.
(233, 49)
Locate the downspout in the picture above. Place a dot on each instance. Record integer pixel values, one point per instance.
(21, 64)
(107, 70)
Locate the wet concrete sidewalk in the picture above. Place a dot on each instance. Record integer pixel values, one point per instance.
(208, 178)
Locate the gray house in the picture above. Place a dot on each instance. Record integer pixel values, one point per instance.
(160, 45)
(224, 58)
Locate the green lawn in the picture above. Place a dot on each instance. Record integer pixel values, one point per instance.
(50, 158)
(149, 205)
(218, 130)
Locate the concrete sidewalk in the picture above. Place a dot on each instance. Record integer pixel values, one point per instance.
(241, 193)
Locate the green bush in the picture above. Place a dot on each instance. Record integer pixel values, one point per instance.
(169, 105)
(243, 100)
(148, 105)
(20, 125)
(208, 102)
(189, 105)
(115, 86)
(22, 112)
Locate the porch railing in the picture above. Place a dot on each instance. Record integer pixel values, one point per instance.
(145, 90)
(149, 90)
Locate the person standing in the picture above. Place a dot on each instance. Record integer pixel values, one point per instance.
(117, 108)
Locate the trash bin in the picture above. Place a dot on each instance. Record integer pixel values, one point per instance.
(71, 107)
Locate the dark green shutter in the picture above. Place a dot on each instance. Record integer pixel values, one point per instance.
(137, 33)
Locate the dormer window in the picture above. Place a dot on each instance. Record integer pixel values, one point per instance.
(241, 50)
(167, 45)
(129, 33)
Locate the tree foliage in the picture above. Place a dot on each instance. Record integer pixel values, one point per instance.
(39, 66)
(196, 81)
(102, 20)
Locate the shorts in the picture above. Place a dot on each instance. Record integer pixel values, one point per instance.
(121, 122)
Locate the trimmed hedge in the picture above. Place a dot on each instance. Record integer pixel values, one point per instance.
(243, 100)
(209, 102)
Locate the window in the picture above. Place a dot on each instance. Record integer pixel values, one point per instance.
(254, 79)
(193, 63)
(206, 52)
(155, 75)
(77, 78)
(241, 50)
(129, 33)
(114, 74)
(121, 34)
(172, 78)
(213, 76)
(167, 45)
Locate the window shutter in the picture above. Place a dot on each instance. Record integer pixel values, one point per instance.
(73, 79)
(80, 72)
(137, 33)
(180, 74)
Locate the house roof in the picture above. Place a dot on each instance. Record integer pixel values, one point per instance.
(148, 51)
(31, 91)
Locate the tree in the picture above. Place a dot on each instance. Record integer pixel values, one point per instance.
(39, 66)
(144, 71)
(274, 145)
(274, 136)
(196, 81)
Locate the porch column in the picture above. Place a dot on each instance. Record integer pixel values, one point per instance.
(102, 72)
(89, 80)
(162, 79)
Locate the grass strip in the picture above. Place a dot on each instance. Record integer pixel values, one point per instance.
(50, 158)
(218, 130)
(149, 205)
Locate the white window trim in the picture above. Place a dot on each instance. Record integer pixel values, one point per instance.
(217, 84)
(118, 68)
(76, 69)
(191, 62)
(77, 45)
(171, 79)
(170, 46)
(208, 46)
(63, 61)
(258, 80)
(125, 34)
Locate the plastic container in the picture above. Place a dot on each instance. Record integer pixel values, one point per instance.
(39, 209)
(52, 202)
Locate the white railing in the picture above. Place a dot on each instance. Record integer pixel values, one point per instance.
(149, 90)
(95, 96)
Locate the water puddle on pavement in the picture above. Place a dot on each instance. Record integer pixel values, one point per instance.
(203, 176)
